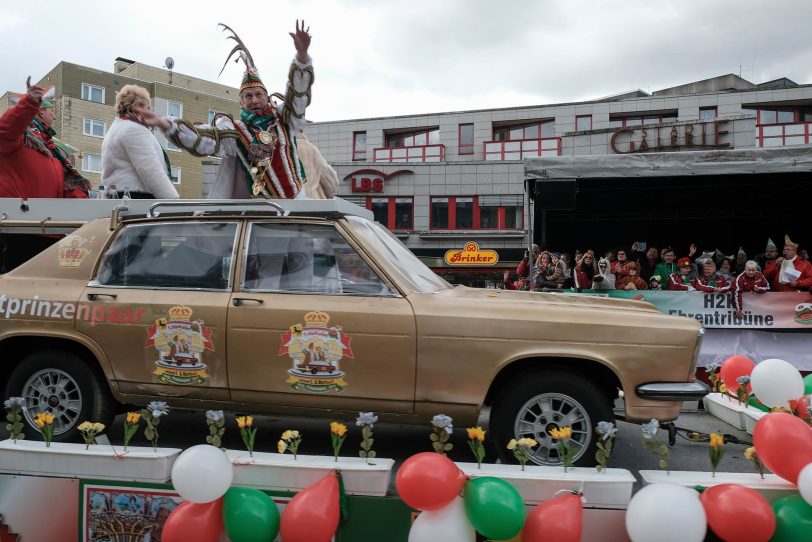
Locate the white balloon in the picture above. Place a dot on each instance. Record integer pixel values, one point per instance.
(449, 524)
(775, 382)
(805, 483)
(202, 474)
(666, 512)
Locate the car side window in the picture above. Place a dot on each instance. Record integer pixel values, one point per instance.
(307, 258)
(177, 255)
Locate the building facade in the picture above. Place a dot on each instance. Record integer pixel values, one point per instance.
(85, 109)
(440, 181)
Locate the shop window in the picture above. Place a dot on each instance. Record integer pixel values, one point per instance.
(359, 146)
(393, 212)
(583, 123)
(532, 130)
(477, 212)
(418, 138)
(466, 139)
(707, 113)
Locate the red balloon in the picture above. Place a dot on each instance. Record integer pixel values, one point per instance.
(784, 444)
(738, 513)
(194, 521)
(313, 514)
(429, 481)
(560, 519)
(734, 367)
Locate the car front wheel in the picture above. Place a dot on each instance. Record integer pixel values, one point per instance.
(542, 401)
(64, 385)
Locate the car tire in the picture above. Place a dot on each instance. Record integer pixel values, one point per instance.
(64, 385)
(543, 400)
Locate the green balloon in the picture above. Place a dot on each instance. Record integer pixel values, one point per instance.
(808, 384)
(755, 403)
(793, 519)
(494, 507)
(249, 515)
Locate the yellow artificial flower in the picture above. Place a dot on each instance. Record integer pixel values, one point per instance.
(39, 423)
(530, 443)
(98, 427)
(716, 440)
(476, 433)
(290, 434)
(722, 389)
(750, 453)
(133, 417)
(562, 433)
(241, 422)
(338, 428)
(281, 446)
(84, 426)
(512, 444)
(249, 421)
(43, 419)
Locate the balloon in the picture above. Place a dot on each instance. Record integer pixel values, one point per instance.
(666, 512)
(734, 367)
(448, 524)
(775, 382)
(808, 384)
(312, 515)
(194, 521)
(494, 507)
(755, 403)
(249, 515)
(793, 519)
(559, 519)
(783, 443)
(805, 483)
(429, 481)
(738, 513)
(202, 474)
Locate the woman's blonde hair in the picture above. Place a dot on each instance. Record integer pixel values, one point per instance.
(128, 96)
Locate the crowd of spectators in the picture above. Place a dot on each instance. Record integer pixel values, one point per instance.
(650, 268)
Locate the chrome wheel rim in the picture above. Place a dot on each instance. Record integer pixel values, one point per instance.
(547, 411)
(55, 392)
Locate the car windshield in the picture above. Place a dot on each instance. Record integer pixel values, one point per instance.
(414, 273)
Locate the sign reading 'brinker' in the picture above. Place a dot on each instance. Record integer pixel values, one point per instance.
(705, 135)
(371, 180)
(471, 255)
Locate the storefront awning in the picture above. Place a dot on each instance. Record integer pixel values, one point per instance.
(668, 164)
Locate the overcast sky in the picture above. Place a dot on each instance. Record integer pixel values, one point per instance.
(377, 58)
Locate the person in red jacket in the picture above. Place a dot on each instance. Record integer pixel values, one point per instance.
(711, 281)
(748, 281)
(681, 280)
(633, 280)
(32, 165)
(790, 273)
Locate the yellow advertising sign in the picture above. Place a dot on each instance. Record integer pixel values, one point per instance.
(471, 256)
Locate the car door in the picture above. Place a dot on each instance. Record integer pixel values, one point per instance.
(313, 324)
(157, 307)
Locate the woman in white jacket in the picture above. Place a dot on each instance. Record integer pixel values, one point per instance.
(132, 159)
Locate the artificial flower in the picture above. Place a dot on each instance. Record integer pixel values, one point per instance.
(476, 433)
(650, 429)
(281, 446)
(716, 440)
(133, 417)
(338, 428)
(562, 433)
(606, 430)
(444, 422)
(366, 418)
(14, 402)
(512, 444)
(214, 415)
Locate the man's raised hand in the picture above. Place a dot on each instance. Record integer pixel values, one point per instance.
(301, 40)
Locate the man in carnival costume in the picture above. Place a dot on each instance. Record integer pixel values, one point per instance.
(33, 164)
(260, 158)
(789, 273)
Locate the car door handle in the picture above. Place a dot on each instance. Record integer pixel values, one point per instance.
(93, 297)
(237, 301)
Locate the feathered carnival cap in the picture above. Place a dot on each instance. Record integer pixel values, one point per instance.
(771, 245)
(250, 79)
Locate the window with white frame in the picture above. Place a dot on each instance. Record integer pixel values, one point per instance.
(174, 174)
(92, 93)
(174, 110)
(212, 113)
(94, 127)
(91, 163)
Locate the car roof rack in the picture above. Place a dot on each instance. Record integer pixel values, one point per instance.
(64, 215)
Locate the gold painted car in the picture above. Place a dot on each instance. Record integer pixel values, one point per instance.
(321, 312)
